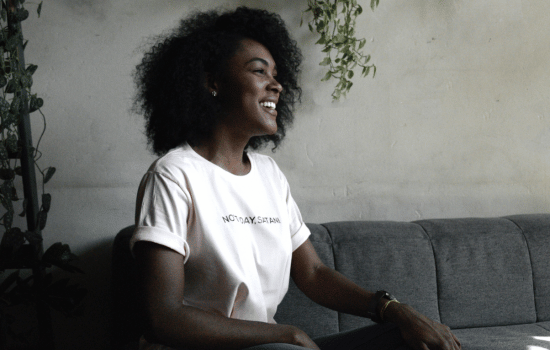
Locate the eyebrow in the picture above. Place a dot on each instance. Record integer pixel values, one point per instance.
(260, 60)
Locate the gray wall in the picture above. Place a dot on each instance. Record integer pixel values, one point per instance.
(456, 122)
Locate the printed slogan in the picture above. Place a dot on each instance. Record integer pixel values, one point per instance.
(252, 220)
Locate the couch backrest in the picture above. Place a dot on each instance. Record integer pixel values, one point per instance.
(393, 256)
(463, 272)
(536, 230)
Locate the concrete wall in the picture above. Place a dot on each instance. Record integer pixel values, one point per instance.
(456, 122)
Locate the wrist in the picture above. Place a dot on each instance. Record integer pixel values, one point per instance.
(378, 304)
(384, 304)
(396, 313)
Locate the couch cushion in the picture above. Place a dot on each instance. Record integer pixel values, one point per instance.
(393, 256)
(516, 337)
(299, 310)
(483, 272)
(536, 230)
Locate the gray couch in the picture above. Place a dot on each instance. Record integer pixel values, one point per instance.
(486, 278)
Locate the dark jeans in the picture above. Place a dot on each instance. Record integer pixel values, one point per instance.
(378, 337)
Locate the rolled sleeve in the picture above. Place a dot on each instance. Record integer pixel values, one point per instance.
(298, 230)
(300, 237)
(162, 211)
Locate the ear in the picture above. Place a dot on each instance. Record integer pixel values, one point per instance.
(210, 83)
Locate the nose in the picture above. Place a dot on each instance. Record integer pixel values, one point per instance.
(275, 86)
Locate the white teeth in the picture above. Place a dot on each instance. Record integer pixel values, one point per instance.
(268, 104)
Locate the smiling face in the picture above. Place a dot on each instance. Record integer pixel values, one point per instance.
(248, 91)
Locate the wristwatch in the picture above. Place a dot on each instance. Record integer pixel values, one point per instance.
(373, 305)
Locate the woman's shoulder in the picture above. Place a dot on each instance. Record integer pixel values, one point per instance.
(267, 165)
(175, 162)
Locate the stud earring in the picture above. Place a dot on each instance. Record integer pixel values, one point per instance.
(214, 93)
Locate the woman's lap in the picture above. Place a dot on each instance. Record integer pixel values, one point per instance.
(378, 337)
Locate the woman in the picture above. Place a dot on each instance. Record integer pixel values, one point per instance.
(217, 232)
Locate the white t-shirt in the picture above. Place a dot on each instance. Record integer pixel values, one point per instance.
(236, 233)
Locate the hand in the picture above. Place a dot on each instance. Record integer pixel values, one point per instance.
(422, 333)
(299, 337)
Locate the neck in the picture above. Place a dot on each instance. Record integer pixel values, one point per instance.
(226, 153)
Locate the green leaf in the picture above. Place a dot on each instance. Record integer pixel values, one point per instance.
(6, 202)
(12, 86)
(365, 71)
(320, 26)
(7, 283)
(350, 74)
(3, 152)
(15, 105)
(24, 212)
(22, 14)
(46, 201)
(4, 106)
(34, 238)
(340, 38)
(49, 173)
(325, 62)
(18, 171)
(35, 103)
(327, 76)
(8, 219)
(39, 9)
(11, 142)
(26, 81)
(367, 59)
(7, 174)
(13, 194)
(31, 69)
(60, 255)
(42, 219)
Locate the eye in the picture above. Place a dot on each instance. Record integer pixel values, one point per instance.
(261, 71)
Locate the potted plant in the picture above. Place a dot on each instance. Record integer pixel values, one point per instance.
(334, 21)
(29, 281)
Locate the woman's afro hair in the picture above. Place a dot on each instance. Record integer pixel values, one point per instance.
(170, 80)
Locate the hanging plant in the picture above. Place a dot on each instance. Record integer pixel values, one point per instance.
(334, 21)
(20, 248)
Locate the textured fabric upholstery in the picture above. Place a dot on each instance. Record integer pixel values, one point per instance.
(483, 272)
(514, 337)
(535, 228)
(393, 256)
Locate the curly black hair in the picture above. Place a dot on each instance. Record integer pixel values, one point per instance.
(170, 80)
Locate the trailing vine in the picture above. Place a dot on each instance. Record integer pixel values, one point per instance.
(19, 248)
(335, 21)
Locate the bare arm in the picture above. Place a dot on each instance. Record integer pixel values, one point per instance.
(331, 289)
(176, 325)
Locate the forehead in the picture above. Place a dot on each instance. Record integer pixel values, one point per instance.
(250, 50)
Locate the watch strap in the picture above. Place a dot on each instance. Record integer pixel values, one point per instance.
(373, 305)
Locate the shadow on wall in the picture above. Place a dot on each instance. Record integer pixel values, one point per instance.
(97, 9)
(91, 329)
